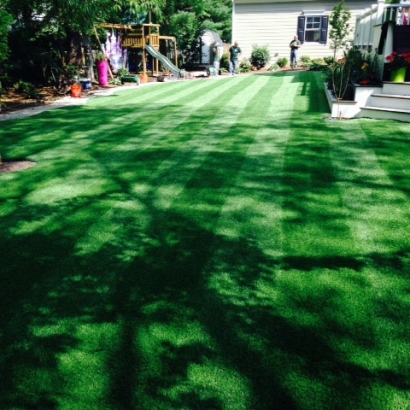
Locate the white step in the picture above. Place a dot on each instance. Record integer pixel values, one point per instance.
(384, 100)
(396, 88)
(385, 113)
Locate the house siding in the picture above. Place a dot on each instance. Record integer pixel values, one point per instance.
(274, 24)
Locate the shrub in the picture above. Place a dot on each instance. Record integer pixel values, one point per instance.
(244, 67)
(122, 71)
(115, 81)
(273, 67)
(305, 61)
(260, 56)
(329, 60)
(27, 89)
(318, 61)
(282, 62)
(224, 63)
(318, 64)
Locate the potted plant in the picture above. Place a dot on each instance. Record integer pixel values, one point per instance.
(101, 62)
(398, 65)
(125, 76)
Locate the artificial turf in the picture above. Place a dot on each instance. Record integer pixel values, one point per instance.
(214, 245)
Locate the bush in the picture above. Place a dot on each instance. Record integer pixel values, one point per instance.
(122, 71)
(318, 67)
(27, 89)
(224, 63)
(318, 64)
(273, 67)
(260, 56)
(305, 61)
(244, 67)
(282, 62)
(115, 81)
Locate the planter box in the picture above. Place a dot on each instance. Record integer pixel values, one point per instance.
(350, 109)
(130, 79)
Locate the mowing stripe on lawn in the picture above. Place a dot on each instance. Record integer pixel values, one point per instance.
(256, 191)
(375, 208)
(219, 160)
(314, 223)
(195, 153)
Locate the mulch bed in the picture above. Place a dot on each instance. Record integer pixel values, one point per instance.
(15, 166)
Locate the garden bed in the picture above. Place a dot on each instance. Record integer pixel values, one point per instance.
(350, 108)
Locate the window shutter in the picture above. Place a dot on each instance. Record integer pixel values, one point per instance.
(301, 28)
(324, 23)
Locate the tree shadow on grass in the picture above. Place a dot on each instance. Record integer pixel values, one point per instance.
(191, 315)
(168, 314)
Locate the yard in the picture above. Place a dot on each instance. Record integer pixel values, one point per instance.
(213, 245)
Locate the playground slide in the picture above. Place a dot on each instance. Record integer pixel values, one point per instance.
(165, 61)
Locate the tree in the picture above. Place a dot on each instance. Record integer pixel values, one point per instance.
(340, 31)
(187, 29)
(61, 33)
(188, 19)
(5, 21)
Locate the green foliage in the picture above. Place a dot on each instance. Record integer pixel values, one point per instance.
(224, 63)
(115, 81)
(100, 57)
(122, 71)
(244, 66)
(305, 61)
(355, 67)
(340, 31)
(316, 64)
(273, 67)
(318, 61)
(67, 28)
(5, 21)
(260, 56)
(282, 62)
(187, 29)
(329, 60)
(215, 15)
(28, 90)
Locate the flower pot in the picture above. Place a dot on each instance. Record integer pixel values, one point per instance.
(143, 78)
(102, 68)
(76, 90)
(398, 75)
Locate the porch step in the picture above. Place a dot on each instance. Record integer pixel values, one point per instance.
(396, 88)
(400, 102)
(385, 113)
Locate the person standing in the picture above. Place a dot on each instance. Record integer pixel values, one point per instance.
(234, 53)
(294, 50)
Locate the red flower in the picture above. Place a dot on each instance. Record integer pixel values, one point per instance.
(398, 60)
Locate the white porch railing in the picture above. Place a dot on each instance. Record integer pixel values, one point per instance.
(375, 16)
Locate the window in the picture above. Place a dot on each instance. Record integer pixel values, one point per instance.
(313, 28)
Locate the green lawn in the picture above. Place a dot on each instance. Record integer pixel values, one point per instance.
(206, 245)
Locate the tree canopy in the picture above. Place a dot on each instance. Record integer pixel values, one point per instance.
(35, 34)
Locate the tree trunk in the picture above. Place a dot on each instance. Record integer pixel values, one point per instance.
(75, 53)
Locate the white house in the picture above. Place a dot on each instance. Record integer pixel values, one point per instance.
(274, 23)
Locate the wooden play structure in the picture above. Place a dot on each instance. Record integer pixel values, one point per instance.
(147, 39)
